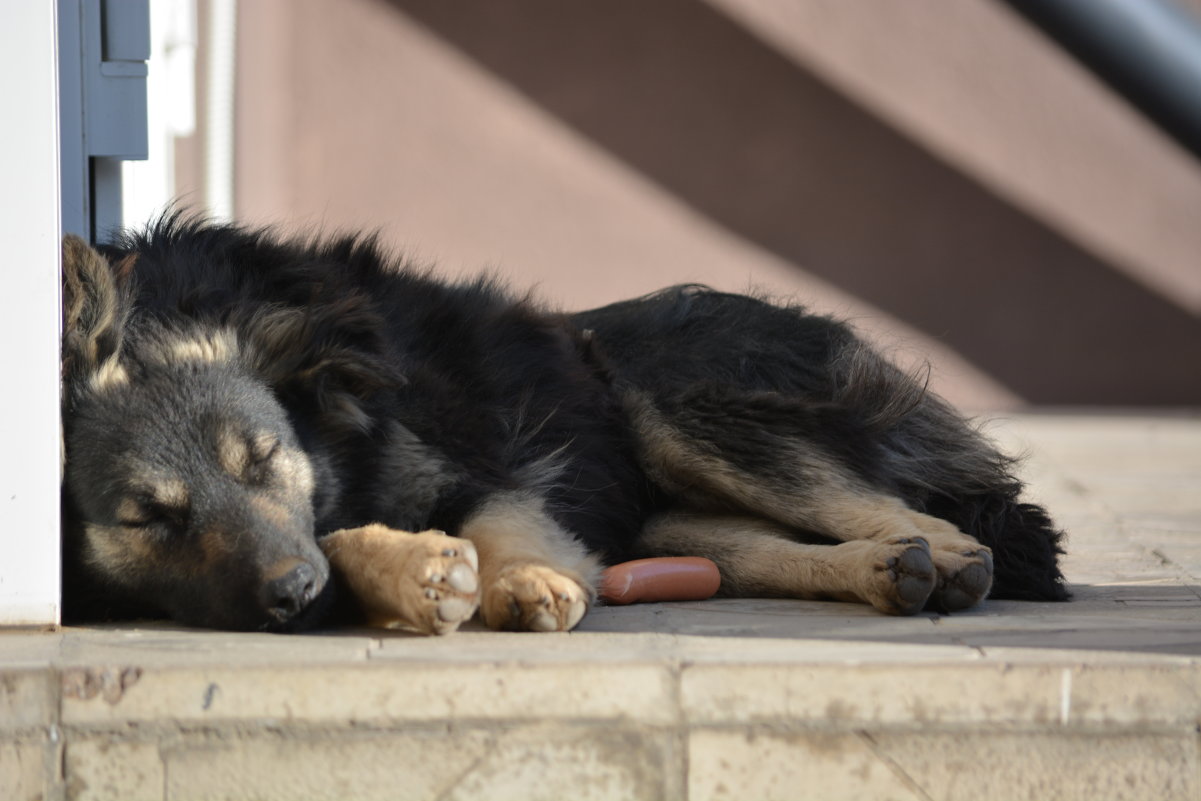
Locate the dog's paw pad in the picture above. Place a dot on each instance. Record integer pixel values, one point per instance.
(423, 582)
(463, 579)
(450, 584)
(534, 598)
(455, 610)
(964, 578)
(903, 576)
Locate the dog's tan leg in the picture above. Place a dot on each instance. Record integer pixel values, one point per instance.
(829, 501)
(964, 565)
(535, 576)
(894, 574)
(423, 582)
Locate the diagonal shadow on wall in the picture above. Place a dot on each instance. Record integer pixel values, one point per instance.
(764, 148)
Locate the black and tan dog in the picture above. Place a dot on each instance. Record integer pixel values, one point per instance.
(241, 412)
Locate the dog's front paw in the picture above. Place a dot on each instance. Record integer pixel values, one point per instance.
(426, 582)
(533, 597)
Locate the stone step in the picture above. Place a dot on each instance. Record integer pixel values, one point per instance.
(160, 713)
(726, 699)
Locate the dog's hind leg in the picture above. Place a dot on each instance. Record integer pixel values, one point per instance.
(756, 558)
(841, 511)
(535, 576)
(848, 514)
(964, 566)
(736, 463)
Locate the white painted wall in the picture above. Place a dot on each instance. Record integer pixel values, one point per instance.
(29, 318)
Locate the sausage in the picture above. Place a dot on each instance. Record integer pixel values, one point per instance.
(675, 578)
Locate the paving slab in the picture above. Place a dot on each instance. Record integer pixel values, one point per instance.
(754, 698)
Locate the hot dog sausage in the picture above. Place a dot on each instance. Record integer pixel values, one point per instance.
(676, 578)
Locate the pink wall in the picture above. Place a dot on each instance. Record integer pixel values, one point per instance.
(945, 178)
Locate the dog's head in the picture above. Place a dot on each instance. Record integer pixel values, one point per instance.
(186, 489)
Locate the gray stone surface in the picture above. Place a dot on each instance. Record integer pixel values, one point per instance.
(719, 699)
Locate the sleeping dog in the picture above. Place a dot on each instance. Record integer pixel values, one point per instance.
(276, 434)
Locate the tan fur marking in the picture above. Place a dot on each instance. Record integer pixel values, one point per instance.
(879, 517)
(856, 515)
(214, 348)
(270, 510)
(293, 467)
(108, 375)
(129, 509)
(535, 575)
(120, 552)
(233, 454)
(171, 493)
(514, 528)
(261, 444)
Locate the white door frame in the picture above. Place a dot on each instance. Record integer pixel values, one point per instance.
(76, 86)
(30, 311)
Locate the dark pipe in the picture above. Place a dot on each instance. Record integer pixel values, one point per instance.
(1147, 50)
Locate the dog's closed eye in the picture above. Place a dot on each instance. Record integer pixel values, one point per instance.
(261, 451)
(262, 447)
(247, 456)
(144, 512)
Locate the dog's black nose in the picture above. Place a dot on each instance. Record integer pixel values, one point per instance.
(286, 595)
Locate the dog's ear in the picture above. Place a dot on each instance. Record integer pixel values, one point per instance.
(95, 307)
(332, 354)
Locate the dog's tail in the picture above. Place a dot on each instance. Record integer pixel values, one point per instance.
(943, 466)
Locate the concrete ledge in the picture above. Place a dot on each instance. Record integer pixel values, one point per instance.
(599, 715)
(747, 699)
